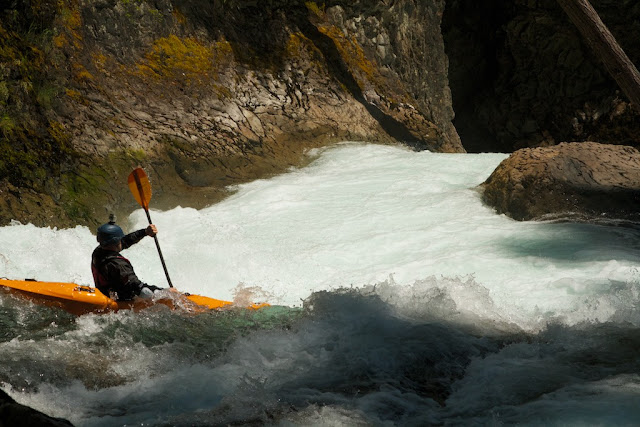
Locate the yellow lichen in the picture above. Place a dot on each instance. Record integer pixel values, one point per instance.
(179, 17)
(350, 51)
(59, 134)
(60, 40)
(223, 49)
(70, 22)
(297, 41)
(99, 60)
(74, 19)
(175, 57)
(223, 92)
(315, 9)
(364, 70)
(185, 59)
(75, 95)
(80, 73)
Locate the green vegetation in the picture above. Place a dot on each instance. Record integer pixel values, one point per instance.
(33, 148)
(46, 94)
(27, 158)
(79, 188)
(136, 156)
(135, 7)
(4, 93)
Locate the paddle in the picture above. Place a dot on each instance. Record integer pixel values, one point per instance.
(141, 188)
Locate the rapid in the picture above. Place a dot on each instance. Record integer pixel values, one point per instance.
(397, 298)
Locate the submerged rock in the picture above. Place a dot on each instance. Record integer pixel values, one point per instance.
(15, 414)
(580, 179)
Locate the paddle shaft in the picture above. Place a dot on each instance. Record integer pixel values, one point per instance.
(155, 238)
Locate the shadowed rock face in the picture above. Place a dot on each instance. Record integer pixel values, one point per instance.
(571, 180)
(15, 414)
(522, 76)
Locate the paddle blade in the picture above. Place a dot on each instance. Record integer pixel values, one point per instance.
(140, 187)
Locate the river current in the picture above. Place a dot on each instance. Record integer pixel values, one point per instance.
(397, 298)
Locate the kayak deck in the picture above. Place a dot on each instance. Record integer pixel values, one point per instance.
(80, 299)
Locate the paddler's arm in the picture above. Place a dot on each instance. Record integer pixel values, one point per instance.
(133, 238)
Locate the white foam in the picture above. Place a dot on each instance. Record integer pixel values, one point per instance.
(355, 216)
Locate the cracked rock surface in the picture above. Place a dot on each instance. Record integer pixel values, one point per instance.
(207, 94)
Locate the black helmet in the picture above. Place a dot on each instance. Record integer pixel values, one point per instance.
(109, 233)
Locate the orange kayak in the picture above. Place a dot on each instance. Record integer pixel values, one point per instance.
(80, 299)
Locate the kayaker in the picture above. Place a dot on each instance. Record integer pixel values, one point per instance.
(112, 273)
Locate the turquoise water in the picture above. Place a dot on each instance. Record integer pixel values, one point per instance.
(398, 298)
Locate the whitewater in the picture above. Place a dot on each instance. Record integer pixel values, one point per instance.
(397, 298)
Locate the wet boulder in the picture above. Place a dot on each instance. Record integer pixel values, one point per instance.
(579, 180)
(15, 414)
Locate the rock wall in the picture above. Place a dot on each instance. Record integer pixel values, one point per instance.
(205, 94)
(521, 75)
(209, 93)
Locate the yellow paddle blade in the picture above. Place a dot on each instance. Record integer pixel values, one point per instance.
(140, 187)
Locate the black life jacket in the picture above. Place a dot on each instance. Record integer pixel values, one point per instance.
(99, 278)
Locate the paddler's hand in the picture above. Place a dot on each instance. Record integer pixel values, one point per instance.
(151, 230)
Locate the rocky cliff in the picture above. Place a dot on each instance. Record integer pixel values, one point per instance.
(203, 94)
(208, 93)
(522, 76)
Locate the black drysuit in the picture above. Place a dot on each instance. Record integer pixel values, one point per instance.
(113, 274)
